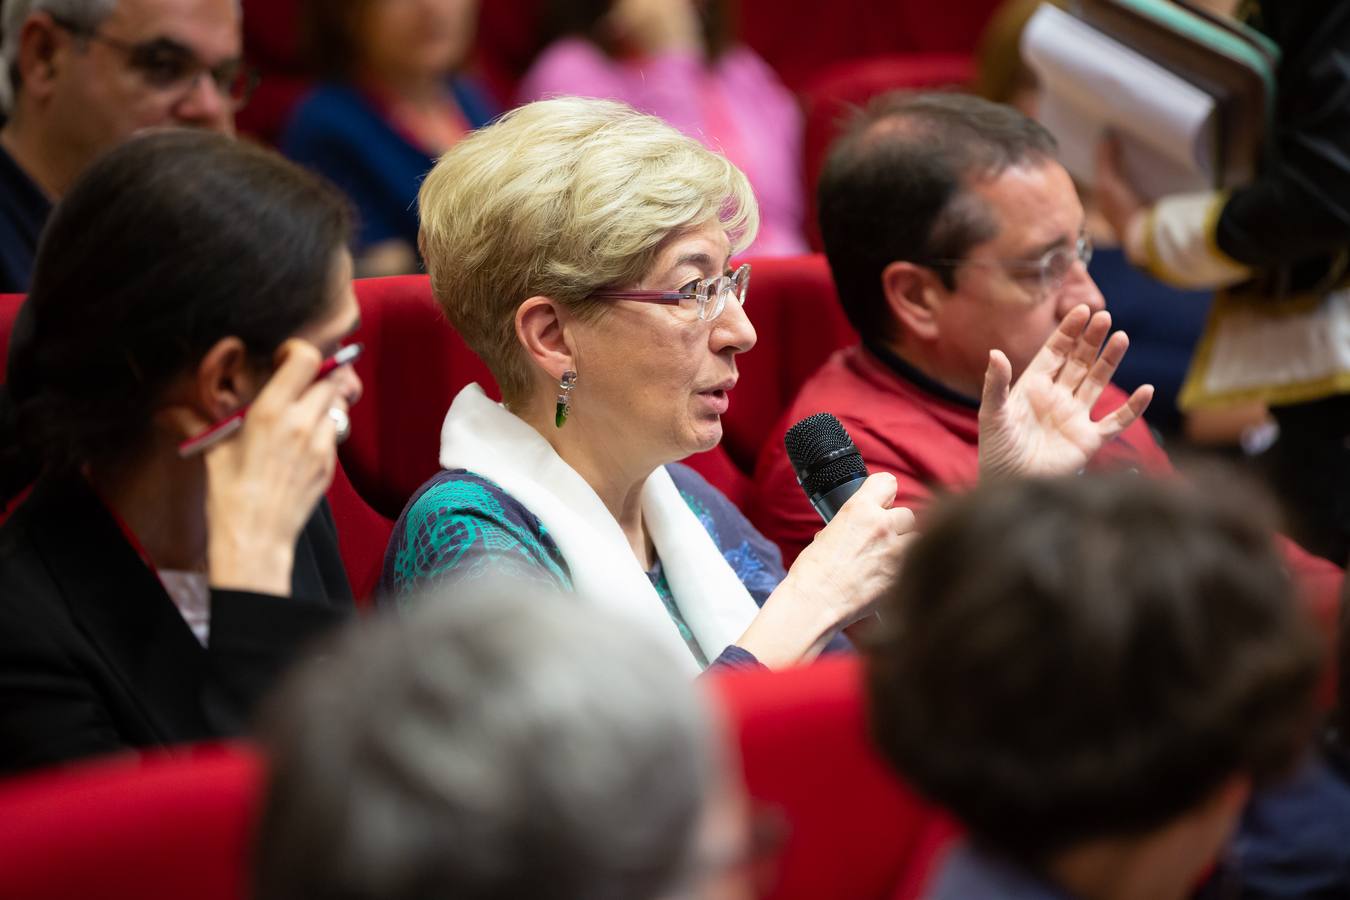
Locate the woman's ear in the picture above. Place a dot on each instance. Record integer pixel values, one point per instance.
(541, 326)
(914, 294)
(223, 382)
(225, 379)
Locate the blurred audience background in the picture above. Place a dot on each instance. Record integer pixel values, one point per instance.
(474, 733)
(391, 100)
(678, 60)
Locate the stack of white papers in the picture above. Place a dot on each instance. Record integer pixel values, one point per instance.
(1093, 85)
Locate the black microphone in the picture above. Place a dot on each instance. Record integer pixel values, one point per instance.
(828, 465)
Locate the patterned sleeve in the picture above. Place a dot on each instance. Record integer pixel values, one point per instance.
(461, 527)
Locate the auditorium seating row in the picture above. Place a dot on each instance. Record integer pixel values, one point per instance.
(182, 822)
(415, 363)
(831, 70)
(170, 826)
(794, 36)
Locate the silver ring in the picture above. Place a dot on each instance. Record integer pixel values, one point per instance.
(341, 421)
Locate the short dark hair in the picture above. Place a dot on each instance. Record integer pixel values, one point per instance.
(895, 187)
(166, 244)
(1072, 659)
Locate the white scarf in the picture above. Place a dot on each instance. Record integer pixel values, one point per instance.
(486, 439)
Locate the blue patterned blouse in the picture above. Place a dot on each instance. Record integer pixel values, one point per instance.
(460, 526)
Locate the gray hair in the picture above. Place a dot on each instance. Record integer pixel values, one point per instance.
(83, 13)
(504, 745)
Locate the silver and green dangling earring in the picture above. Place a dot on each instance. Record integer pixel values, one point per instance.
(564, 407)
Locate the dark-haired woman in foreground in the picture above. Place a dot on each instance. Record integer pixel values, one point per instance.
(147, 598)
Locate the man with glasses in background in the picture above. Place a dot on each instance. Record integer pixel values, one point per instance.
(81, 76)
(952, 231)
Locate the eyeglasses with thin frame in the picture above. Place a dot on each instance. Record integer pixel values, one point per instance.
(168, 66)
(704, 297)
(1052, 268)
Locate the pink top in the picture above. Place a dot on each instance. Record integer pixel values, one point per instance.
(736, 106)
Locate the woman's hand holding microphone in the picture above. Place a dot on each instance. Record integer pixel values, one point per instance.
(838, 579)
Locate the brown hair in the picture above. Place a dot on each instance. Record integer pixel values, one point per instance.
(1087, 657)
(896, 187)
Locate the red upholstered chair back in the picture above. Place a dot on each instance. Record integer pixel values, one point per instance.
(799, 323)
(799, 38)
(170, 826)
(413, 366)
(854, 829)
(154, 828)
(9, 308)
(830, 96)
(272, 43)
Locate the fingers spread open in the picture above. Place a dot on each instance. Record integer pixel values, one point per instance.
(1084, 352)
(1050, 358)
(997, 383)
(1104, 369)
(1125, 415)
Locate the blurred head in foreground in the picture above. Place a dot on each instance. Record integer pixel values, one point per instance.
(493, 748)
(1093, 674)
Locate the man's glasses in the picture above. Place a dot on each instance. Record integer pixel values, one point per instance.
(703, 297)
(1050, 271)
(168, 66)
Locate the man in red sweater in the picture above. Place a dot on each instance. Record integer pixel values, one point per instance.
(952, 233)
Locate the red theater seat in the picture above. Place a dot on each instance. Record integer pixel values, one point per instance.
(272, 43)
(853, 828)
(415, 363)
(413, 366)
(831, 95)
(800, 38)
(799, 323)
(159, 827)
(9, 308)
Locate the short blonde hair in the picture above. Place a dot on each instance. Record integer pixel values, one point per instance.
(561, 198)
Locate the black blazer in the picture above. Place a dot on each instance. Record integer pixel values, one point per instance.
(95, 657)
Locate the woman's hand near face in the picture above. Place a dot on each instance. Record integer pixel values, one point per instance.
(837, 579)
(263, 483)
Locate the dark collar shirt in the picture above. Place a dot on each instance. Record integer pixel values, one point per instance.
(23, 212)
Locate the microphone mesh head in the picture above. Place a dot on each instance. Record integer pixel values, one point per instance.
(811, 442)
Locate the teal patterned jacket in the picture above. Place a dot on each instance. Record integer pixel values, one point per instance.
(460, 527)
